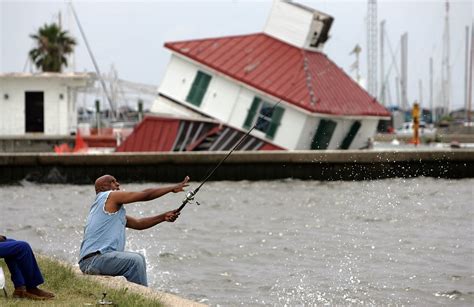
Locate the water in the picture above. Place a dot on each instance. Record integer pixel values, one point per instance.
(295, 243)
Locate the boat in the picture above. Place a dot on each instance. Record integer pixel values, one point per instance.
(424, 131)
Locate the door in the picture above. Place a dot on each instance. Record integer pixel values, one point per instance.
(34, 112)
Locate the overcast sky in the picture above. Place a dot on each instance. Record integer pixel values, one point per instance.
(130, 34)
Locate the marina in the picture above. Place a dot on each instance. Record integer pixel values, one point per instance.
(325, 176)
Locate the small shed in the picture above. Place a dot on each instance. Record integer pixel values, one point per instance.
(40, 103)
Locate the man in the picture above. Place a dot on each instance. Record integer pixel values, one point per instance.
(102, 249)
(25, 273)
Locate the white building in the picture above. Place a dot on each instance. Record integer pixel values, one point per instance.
(278, 81)
(40, 103)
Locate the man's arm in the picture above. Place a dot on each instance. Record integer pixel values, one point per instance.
(147, 222)
(117, 198)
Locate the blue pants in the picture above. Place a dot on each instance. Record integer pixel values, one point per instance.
(21, 262)
(128, 264)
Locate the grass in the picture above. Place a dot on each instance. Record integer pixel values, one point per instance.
(71, 289)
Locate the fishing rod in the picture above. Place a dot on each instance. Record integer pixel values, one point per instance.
(190, 195)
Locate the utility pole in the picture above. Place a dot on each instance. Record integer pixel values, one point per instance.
(372, 47)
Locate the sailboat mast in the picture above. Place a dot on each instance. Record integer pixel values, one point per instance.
(469, 101)
(102, 82)
(431, 92)
(446, 69)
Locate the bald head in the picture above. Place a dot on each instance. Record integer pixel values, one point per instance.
(106, 183)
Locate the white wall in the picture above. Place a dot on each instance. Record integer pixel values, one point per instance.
(295, 24)
(342, 128)
(367, 129)
(178, 78)
(289, 23)
(291, 123)
(310, 125)
(291, 126)
(57, 117)
(241, 107)
(220, 98)
(12, 115)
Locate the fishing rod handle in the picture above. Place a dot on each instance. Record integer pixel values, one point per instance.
(182, 205)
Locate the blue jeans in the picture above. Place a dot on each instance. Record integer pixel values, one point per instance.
(21, 262)
(128, 264)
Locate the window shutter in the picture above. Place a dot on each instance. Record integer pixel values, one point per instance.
(202, 88)
(276, 119)
(198, 88)
(346, 143)
(251, 114)
(193, 90)
(323, 134)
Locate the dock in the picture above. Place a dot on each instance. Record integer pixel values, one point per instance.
(327, 165)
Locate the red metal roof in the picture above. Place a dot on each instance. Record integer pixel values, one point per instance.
(152, 134)
(160, 133)
(283, 71)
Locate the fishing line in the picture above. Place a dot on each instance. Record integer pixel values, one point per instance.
(190, 195)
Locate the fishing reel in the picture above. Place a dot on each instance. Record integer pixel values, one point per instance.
(190, 198)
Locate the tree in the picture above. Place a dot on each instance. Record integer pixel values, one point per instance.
(52, 47)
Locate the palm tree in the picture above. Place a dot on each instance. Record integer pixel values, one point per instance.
(52, 47)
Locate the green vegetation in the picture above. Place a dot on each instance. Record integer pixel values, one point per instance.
(52, 45)
(71, 289)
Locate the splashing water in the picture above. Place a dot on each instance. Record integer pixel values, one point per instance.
(290, 242)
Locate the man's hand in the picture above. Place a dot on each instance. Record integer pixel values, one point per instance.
(180, 186)
(2, 238)
(171, 216)
(147, 222)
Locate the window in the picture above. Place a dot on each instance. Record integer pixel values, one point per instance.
(323, 134)
(199, 88)
(265, 116)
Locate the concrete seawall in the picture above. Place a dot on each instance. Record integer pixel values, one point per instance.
(171, 167)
